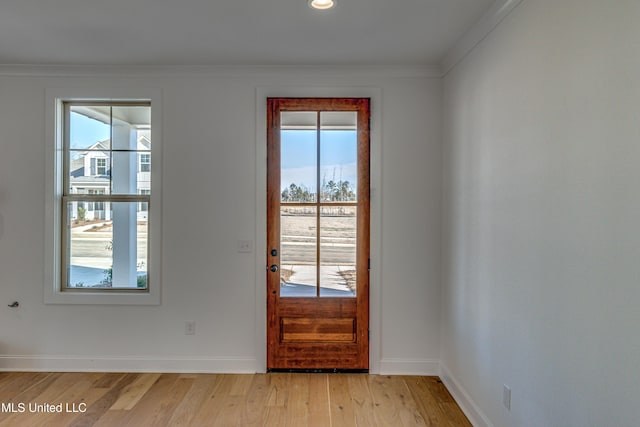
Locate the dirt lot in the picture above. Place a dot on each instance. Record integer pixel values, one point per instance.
(337, 240)
(337, 247)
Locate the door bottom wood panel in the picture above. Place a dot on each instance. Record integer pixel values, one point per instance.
(300, 329)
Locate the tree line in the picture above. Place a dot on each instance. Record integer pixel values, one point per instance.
(330, 191)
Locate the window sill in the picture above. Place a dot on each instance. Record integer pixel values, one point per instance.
(102, 298)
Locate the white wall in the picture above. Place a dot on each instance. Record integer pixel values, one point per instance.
(210, 188)
(542, 243)
(411, 230)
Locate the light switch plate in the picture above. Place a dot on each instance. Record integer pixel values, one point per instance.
(245, 246)
(190, 327)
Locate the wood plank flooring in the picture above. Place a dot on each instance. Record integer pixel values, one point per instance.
(278, 399)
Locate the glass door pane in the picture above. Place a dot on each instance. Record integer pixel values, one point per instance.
(299, 185)
(338, 156)
(299, 156)
(338, 230)
(298, 251)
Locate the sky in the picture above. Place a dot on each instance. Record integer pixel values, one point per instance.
(85, 131)
(338, 157)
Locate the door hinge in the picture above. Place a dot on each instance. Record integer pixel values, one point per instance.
(369, 334)
(369, 264)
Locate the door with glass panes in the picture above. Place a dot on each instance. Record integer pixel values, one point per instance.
(318, 233)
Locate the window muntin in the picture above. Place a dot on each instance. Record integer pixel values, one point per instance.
(105, 233)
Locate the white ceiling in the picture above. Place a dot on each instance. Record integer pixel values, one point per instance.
(232, 32)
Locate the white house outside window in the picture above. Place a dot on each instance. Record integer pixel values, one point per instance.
(105, 196)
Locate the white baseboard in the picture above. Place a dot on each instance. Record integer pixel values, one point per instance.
(409, 367)
(39, 363)
(462, 398)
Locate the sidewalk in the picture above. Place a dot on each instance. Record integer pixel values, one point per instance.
(303, 281)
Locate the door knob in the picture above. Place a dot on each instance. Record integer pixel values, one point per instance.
(273, 268)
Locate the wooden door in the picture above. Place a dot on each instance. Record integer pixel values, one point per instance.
(318, 234)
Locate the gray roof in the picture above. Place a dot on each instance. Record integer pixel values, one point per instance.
(99, 179)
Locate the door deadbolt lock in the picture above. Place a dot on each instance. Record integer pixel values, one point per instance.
(274, 252)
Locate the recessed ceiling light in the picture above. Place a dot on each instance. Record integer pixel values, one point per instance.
(321, 4)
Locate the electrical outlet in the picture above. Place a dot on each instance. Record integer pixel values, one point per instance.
(506, 396)
(190, 327)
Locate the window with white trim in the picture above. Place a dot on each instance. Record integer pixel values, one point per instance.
(145, 162)
(101, 166)
(104, 238)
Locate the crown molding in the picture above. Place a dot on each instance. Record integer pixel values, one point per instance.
(398, 71)
(478, 32)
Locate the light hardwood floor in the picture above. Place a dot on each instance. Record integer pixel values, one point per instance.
(278, 399)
